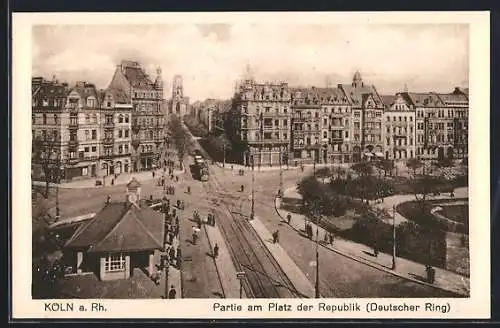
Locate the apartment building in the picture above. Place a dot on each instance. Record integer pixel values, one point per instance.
(399, 127)
(261, 118)
(116, 124)
(148, 119)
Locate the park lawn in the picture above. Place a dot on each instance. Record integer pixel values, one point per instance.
(456, 212)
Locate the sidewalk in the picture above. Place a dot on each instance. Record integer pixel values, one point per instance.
(121, 179)
(407, 269)
(292, 271)
(224, 264)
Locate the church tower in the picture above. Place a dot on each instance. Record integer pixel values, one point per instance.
(177, 89)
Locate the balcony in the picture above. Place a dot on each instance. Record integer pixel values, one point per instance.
(274, 114)
(107, 156)
(108, 141)
(336, 140)
(73, 144)
(73, 124)
(268, 141)
(90, 158)
(109, 125)
(73, 161)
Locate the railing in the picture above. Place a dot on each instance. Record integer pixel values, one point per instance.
(90, 158)
(336, 140)
(72, 143)
(73, 123)
(267, 141)
(108, 141)
(73, 161)
(109, 125)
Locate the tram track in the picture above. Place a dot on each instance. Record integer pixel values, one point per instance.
(264, 277)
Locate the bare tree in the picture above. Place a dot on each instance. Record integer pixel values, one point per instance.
(46, 153)
(178, 135)
(414, 164)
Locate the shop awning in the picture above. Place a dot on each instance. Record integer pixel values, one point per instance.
(379, 154)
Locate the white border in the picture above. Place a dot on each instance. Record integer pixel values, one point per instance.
(477, 306)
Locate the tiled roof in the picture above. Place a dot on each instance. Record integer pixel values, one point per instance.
(138, 78)
(355, 94)
(50, 90)
(119, 96)
(388, 100)
(120, 227)
(85, 90)
(425, 99)
(453, 98)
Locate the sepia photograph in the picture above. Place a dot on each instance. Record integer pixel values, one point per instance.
(220, 159)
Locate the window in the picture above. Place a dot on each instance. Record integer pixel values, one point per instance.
(346, 133)
(94, 134)
(411, 141)
(120, 118)
(120, 133)
(267, 135)
(325, 134)
(126, 133)
(267, 109)
(85, 170)
(86, 149)
(126, 148)
(285, 136)
(94, 148)
(87, 118)
(411, 118)
(44, 118)
(276, 122)
(285, 122)
(120, 149)
(114, 263)
(94, 118)
(126, 118)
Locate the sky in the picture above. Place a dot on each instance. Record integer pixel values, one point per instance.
(212, 57)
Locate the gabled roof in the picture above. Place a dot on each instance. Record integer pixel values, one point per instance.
(388, 100)
(85, 90)
(136, 76)
(425, 99)
(453, 98)
(120, 227)
(119, 96)
(355, 94)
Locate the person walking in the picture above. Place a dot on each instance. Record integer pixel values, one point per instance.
(179, 257)
(153, 174)
(216, 251)
(288, 218)
(171, 255)
(331, 237)
(108, 199)
(172, 293)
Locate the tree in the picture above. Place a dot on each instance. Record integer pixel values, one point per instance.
(46, 154)
(363, 168)
(386, 166)
(414, 164)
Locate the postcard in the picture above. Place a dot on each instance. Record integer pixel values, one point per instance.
(250, 165)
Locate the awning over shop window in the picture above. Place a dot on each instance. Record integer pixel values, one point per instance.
(379, 154)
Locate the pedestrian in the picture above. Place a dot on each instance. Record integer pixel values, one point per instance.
(275, 237)
(288, 218)
(216, 251)
(242, 188)
(332, 238)
(195, 237)
(108, 199)
(179, 258)
(172, 292)
(153, 174)
(112, 182)
(452, 193)
(188, 189)
(213, 221)
(177, 178)
(171, 254)
(375, 249)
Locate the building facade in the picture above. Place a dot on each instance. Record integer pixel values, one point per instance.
(261, 117)
(49, 121)
(116, 124)
(148, 120)
(399, 127)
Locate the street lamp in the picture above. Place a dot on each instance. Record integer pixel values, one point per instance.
(316, 286)
(252, 211)
(394, 237)
(281, 174)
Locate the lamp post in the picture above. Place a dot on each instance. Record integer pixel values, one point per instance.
(281, 175)
(224, 155)
(394, 237)
(316, 286)
(252, 211)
